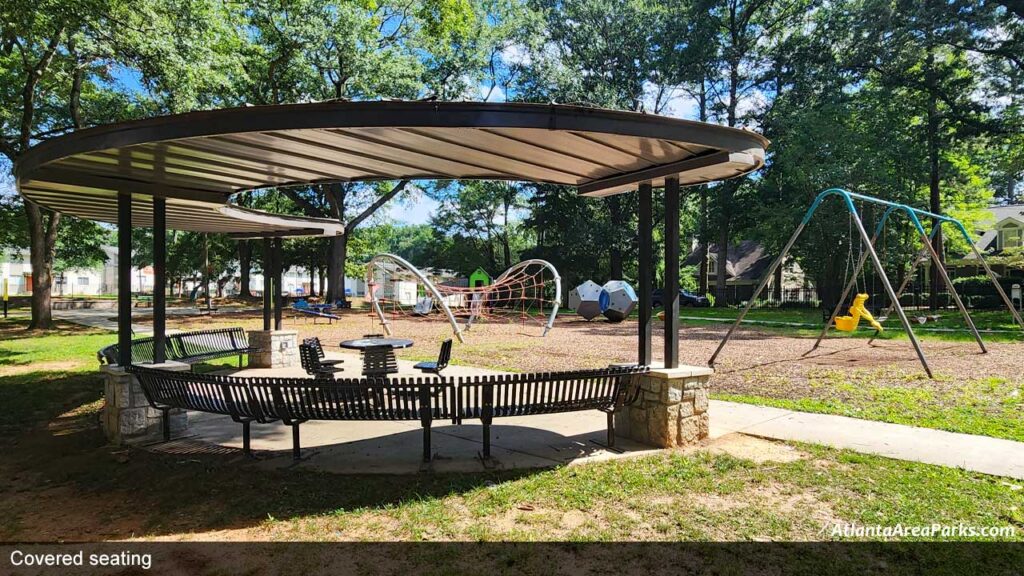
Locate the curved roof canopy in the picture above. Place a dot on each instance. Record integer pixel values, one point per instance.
(197, 161)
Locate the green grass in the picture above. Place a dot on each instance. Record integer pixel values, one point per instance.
(669, 496)
(988, 407)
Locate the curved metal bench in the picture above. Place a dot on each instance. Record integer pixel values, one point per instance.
(187, 347)
(294, 401)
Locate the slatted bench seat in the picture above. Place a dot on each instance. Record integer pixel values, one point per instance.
(188, 347)
(294, 401)
(487, 397)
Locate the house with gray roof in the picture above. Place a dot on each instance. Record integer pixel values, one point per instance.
(747, 261)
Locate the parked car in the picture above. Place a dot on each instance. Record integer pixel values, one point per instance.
(685, 299)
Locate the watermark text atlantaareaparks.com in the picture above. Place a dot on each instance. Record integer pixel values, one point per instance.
(851, 530)
(80, 558)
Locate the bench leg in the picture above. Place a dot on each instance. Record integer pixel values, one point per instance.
(296, 451)
(487, 440)
(167, 424)
(427, 456)
(611, 429)
(246, 443)
(239, 360)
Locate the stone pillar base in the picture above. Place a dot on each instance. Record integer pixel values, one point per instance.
(277, 348)
(127, 416)
(671, 410)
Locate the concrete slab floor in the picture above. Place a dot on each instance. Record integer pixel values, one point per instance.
(397, 447)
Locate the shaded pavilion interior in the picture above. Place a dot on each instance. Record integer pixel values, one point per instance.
(182, 171)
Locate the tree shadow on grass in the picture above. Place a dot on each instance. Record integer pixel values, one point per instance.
(61, 480)
(85, 490)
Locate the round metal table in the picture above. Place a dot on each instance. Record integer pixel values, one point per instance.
(378, 354)
(364, 343)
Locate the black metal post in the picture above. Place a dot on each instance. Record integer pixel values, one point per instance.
(268, 289)
(278, 273)
(159, 280)
(124, 279)
(645, 231)
(671, 291)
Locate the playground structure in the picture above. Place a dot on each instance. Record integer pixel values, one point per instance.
(394, 285)
(615, 300)
(927, 252)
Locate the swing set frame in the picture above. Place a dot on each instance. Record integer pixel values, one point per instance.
(927, 252)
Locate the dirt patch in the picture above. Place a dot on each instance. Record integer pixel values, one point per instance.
(755, 449)
(55, 366)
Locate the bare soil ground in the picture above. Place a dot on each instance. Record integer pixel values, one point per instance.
(754, 362)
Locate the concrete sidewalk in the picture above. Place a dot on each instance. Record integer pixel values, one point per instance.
(142, 318)
(976, 453)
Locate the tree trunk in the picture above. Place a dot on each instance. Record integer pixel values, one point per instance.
(934, 197)
(333, 274)
(206, 269)
(245, 267)
(723, 255)
(43, 238)
(777, 296)
(336, 269)
(312, 280)
(505, 243)
(702, 243)
(615, 249)
(702, 218)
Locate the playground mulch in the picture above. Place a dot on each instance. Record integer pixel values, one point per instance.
(972, 392)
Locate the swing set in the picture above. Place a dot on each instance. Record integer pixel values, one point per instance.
(858, 309)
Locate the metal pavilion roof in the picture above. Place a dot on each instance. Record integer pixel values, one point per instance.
(197, 161)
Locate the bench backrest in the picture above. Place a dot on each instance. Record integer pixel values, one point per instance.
(301, 399)
(298, 399)
(200, 342)
(181, 346)
(203, 392)
(548, 392)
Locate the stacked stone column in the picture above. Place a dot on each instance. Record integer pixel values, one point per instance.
(277, 348)
(672, 409)
(127, 416)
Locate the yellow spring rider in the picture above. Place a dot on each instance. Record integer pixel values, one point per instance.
(857, 311)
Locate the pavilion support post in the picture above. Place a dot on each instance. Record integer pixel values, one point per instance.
(159, 280)
(127, 415)
(671, 292)
(124, 279)
(274, 347)
(268, 288)
(645, 241)
(278, 273)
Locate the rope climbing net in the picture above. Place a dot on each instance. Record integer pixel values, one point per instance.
(527, 293)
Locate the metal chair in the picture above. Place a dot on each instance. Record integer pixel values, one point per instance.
(379, 361)
(442, 360)
(315, 343)
(311, 363)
